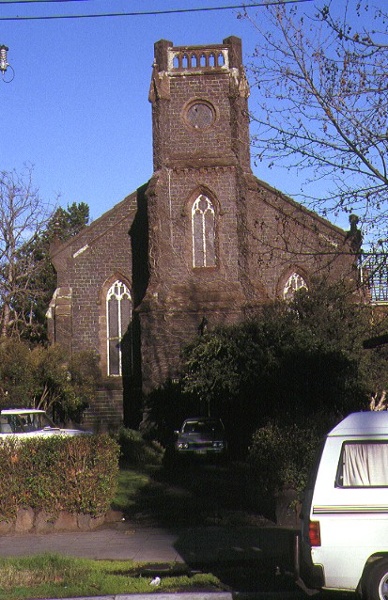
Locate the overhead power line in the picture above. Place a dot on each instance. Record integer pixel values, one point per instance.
(136, 13)
(39, 1)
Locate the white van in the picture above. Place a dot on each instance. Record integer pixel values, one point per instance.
(343, 544)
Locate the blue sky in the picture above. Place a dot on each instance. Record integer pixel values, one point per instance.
(77, 108)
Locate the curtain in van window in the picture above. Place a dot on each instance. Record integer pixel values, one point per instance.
(365, 465)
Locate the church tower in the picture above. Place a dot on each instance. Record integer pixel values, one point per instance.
(202, 243)
(195, 200)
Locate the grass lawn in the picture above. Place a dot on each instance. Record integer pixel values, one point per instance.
(53, 576)
(145, 496)
(130, 483)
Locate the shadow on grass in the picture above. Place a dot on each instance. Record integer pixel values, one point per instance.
(218, 531)
(195, 494)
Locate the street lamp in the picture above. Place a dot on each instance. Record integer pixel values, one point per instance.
(4, 65)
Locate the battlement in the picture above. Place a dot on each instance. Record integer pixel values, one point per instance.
(198, 58)
(178, 60)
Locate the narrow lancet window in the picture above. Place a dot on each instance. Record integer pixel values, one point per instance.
(294, 283)
(203, 231)
(119, 312)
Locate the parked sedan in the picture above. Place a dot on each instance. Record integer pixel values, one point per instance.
(201, 437)
(30, 422)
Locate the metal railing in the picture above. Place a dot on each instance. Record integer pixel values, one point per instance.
(373, 269)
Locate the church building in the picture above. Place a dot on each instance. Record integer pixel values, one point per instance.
(202, 243)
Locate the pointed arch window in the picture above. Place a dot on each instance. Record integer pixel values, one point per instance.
(119, 313)
(203, 232)
(294, 283)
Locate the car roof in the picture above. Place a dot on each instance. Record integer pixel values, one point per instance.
(195, 419)
(21, 411)
(363, 423)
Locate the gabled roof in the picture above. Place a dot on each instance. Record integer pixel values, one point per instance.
(255, 184)
(124, 210)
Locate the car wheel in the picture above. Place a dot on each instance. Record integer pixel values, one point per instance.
(376, 584)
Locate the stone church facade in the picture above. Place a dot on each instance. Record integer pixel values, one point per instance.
(202, 243)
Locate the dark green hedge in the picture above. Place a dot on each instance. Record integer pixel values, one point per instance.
(136, 451)
(57, 473)
(280, 456)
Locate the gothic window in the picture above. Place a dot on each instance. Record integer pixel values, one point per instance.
(203, 232)
(118, 312)
(294, 283)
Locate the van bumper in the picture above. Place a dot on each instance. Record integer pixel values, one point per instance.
(308, 576)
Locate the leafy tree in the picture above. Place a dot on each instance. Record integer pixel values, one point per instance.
(292, 360)
(17, 380)
(323, 97)
(66, 223)
(63, 224)
(48, 378)
(65, 384)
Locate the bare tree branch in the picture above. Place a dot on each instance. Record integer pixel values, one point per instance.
(323, 87)
(23, 217)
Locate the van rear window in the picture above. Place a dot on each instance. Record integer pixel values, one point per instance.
(363, 464)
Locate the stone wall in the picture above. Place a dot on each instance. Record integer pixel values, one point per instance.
(30, 521)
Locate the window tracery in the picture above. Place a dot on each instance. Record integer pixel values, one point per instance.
(294, 283)
(203, 232)
(119, 313)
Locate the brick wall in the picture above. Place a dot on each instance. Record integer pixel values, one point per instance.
(88, 265)
(262, 237)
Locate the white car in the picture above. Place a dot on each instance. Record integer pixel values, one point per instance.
(30, 422)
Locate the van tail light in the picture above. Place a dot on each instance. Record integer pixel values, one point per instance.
(314, 533)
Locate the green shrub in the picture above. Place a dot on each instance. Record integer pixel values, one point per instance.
(48, 378)
(281, 456)
(136, 451)
(75, 474)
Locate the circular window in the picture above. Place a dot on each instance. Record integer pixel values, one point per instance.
(200, 115)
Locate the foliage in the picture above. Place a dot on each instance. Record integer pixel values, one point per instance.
(22, 217)
(280, 456)
(136, 451)
(321, 72)
(54, 576)
(58, 473)
(62, 225)
(165, 410)
(48, 378)
(292, 360)
(17, 381)
(66, 223)
(27, 277)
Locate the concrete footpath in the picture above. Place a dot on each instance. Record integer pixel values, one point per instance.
(191, 596)
(191, 545)
(195, 546)
(120, 542)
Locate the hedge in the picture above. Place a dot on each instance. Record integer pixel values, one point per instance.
(57, 473)
(280, 456)
(136, 451)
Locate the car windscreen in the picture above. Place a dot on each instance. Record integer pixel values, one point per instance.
(207, 427)
(26, 422)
